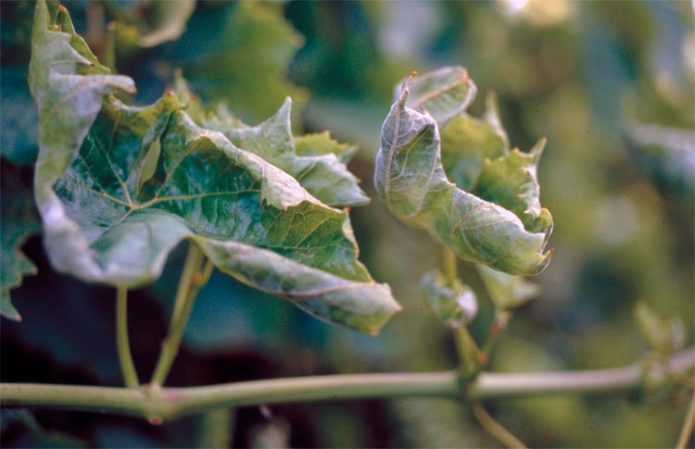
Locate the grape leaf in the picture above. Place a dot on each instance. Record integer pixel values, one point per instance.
(410, 179)
(455, 305)
(506, 291)
(239, 52)
(319, 144)
(148, 23)
(467, 141)
(118, 187)
(315, 160)
(323, 175)
(444, 93)
(18, 222)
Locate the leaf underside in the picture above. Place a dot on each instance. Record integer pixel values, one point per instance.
(494, 217)
(118, 187)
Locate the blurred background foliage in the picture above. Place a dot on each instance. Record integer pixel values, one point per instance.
(611, 84)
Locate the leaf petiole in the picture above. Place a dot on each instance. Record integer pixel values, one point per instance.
(191, 281)
(125, 358)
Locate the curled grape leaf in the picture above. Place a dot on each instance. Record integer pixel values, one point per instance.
(18, 221)
(455, 305)
(118, 187)
(506, 291)
(444, 93)
(468, 141)
(476, 224)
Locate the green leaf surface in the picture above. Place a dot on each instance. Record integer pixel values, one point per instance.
(119, 187)
(323, 174)
(315, 160)
(444, 93)
(507, 291)
(18, 221)
(321, 144)
(239, 52)
(410, 178)
(455, 305)
(468, 141)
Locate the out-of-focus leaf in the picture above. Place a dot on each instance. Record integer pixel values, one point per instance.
(118, 187)
(271, 435)
(18, 221)
(240, 53)
(149, 23)
(507, 291)
(455, 305)
(668, 151)
(324, 175)
(662, 334)
(169, 21)
(18, 117)
(37, 436)
(410, 179)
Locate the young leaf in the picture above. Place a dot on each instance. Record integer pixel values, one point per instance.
(511, 182)
(444, 93)
(320, 144)
(410, 179)
(506, 291)
(455, 305)
(324, 176)
(119, 189)
(468, 141)
(18, 221)
(316, 161)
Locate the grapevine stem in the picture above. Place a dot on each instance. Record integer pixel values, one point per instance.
(687, 430)
(169, 403)
(125, 358)
(450, 268)
(495, 429)
(189, 284)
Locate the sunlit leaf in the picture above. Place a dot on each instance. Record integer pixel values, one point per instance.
(411, 180)
(118, 187)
